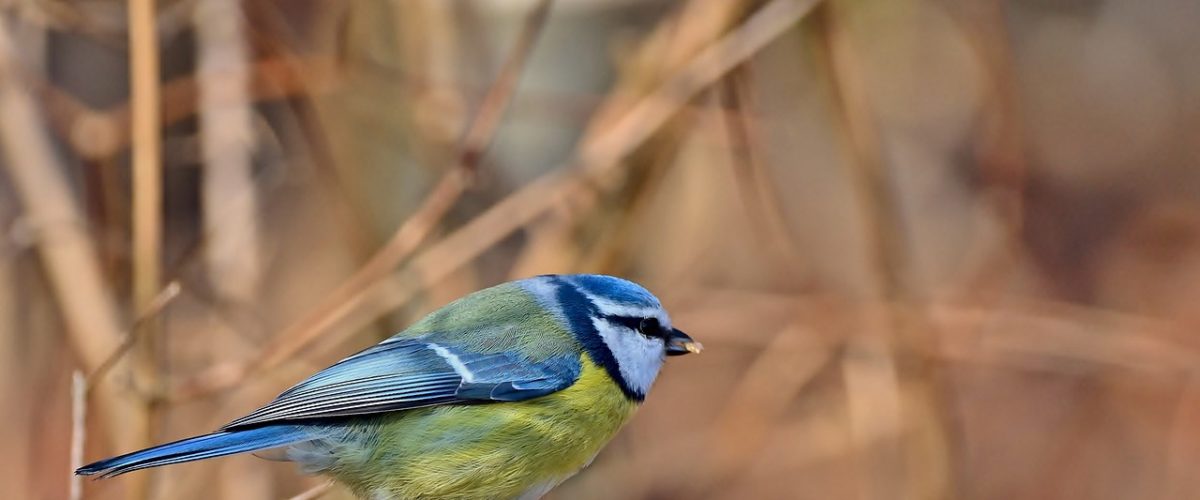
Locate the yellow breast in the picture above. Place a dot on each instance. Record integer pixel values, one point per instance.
(500, 450)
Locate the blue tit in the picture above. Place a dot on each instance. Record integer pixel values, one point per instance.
(504, 393)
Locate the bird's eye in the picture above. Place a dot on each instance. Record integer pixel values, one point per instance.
(650, 327)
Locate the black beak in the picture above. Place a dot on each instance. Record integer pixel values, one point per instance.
(679, 343)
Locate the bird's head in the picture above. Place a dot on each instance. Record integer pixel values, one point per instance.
(622, 326)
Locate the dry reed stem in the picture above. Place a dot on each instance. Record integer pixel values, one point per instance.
(562, 186)
(407, 237)
(78, 433)
(145, 98)
(65, 248)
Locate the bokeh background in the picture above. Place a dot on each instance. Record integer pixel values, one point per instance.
(936, 249)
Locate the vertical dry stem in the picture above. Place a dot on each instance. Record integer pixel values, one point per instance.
(145, 97)
(147, 152)
(78, 431)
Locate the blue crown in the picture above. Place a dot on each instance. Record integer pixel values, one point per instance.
(615, 289)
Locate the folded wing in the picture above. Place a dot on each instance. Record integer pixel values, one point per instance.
(405, 373)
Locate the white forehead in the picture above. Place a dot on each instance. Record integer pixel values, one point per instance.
(608, 307)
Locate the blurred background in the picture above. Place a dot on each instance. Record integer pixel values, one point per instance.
(935, 249)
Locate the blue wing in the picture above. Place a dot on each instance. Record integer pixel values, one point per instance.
(406, 373)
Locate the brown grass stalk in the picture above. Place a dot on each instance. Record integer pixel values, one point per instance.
(147, 227)
(78, 433)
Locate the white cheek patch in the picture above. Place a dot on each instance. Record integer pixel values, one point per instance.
(638, 357)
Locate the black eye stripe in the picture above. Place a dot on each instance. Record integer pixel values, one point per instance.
(646, 326)
(630, 322)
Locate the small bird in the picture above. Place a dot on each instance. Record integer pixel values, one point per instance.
(504, 393)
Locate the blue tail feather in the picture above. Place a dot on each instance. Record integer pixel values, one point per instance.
(217, 444)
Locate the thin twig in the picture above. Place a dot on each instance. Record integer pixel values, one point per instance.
(408, 236)
(78, 432)
(161, 300)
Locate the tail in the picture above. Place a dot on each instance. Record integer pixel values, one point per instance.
(217, 444)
